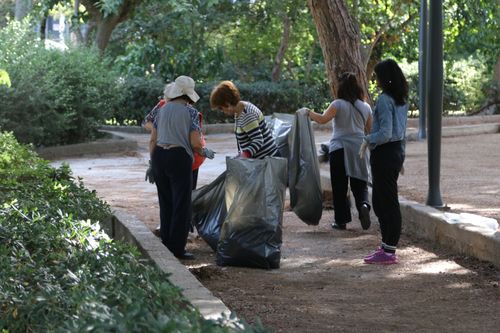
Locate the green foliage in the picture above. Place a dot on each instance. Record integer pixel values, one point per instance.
(140, 95)
(269, 97)
(4, 78)
(55, 97)
(61, 273)
(7, 8)
(464, 82)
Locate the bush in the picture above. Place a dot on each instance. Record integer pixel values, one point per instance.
(269, 97)
(463, 86)
(61, 273)
(55, 97)
(140, 96)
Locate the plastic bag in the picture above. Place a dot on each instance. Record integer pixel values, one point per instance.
(306, 198)
(255, 196)
(209, 210)
(281, 125)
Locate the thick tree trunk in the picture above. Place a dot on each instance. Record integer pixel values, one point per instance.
(496, 73)
(340, 41)
(22, 9)
(105, 28)
(106, 24)
(285, 38)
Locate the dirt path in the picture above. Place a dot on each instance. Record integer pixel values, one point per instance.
(323, 285)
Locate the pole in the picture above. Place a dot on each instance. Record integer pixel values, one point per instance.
(422, 70)
(435, 84)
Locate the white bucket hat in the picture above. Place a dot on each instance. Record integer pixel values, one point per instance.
(183, 85)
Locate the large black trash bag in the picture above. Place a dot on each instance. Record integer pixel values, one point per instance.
(306, 197)
(255, 197)
(209, 210)
(281, 124)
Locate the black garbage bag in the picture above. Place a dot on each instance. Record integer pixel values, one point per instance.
(306, 197)
(255, 196)
(209, 210)
(281, 124)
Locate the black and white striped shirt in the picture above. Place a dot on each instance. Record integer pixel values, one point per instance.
(253, 134)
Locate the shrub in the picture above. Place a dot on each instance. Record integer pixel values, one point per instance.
(61, 273)
(270, 97)
(55, 97)
(463, 85)
(140, 96)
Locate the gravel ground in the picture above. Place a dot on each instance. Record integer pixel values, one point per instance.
(323, 285)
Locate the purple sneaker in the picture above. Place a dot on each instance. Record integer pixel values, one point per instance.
(377, 251)
(382, 258)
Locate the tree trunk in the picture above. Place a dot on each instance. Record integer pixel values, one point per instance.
(106, 24)
(105, 28)
(43, 27)
(310, 54)
(75, 24)
(340, 41)
(285, 38)
(22, 9)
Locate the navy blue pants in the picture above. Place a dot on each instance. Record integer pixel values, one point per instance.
(340, 181)
(386, 161)
(173, 178)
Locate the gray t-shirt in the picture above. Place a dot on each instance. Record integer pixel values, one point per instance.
(348, 121)
(174, 123)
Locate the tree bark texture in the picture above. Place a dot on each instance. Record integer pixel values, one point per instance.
(340, 41)
(22, 9)
(106, 24)
(285, 38)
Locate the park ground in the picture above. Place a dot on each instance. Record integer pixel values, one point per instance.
(323, 284)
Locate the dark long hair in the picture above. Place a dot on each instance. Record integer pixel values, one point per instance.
(392, 80)
(349, 88)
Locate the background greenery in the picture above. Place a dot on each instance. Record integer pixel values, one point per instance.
(59, 97)
(61, 273)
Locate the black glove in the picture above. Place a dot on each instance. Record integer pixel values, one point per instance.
(149, 173)
(208, 153)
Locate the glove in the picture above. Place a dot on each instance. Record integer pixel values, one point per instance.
(208, 153)
(362, 149)
(245, 154)
(149, 173)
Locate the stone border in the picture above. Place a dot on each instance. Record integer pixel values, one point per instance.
(126, 227)
(115, 144)
(429, 223)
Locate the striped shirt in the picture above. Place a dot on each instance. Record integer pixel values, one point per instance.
(253, 134)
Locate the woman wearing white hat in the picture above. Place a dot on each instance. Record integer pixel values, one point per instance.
(176, 134)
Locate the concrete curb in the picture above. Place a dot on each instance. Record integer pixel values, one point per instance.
(429, 223)
(115, 144)
(125, 227)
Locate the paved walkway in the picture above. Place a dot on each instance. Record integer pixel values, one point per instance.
(322, 285)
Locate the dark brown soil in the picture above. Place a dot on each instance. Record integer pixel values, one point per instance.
(323, 284)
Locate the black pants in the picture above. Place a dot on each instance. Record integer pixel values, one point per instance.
(173, 178)
(386, 161)
(340, 181)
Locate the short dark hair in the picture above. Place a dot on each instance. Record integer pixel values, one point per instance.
(392, 80)
(184, 97)
(349, 88)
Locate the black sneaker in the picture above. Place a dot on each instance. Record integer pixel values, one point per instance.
(338, 226)
(364, 216)
(185, 256)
